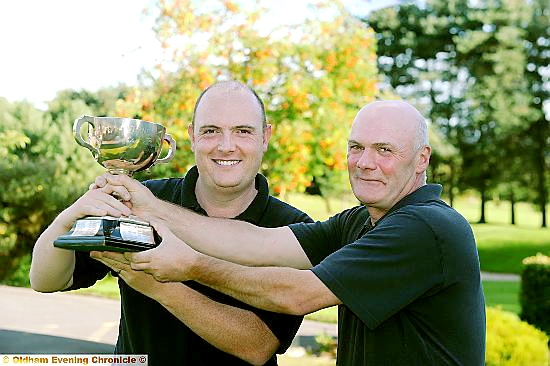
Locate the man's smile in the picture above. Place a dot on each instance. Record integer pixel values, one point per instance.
(226, 162)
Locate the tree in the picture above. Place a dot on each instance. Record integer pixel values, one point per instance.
(537, 136)
(493, 53)
(312, 76)
(416, 54)
(36, 181)
(43, 168)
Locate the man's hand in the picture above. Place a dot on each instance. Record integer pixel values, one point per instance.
(171, 261)
(138, 280)
(94, 202)
(134, 194)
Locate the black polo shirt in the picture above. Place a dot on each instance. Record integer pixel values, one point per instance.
(146, 327)
(410, 286)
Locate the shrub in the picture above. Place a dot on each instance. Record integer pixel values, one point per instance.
(328, 345)
(20, 276)
(535, 291)
(512, 342)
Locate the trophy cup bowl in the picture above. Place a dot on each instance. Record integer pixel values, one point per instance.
(122, 146)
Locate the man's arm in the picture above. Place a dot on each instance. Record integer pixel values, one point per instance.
(232, 240)
(52, 268)
(278, 289)
(233, 330)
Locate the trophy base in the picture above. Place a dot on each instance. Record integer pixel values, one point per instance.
(106, 233)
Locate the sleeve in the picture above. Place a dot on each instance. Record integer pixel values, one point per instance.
(283, 326)
(318, 239)
(386, 269)
(87, 271)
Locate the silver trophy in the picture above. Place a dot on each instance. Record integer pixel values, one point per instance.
(122, 146)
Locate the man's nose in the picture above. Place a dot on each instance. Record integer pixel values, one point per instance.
(226, 144)
(367, 160)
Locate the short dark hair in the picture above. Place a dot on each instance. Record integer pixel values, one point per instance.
(231, 85)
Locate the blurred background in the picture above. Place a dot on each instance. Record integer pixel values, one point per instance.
(477, 69)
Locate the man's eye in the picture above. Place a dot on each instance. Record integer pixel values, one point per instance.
(355, 147)
(384, 149)
(208, 131)
(244, 131)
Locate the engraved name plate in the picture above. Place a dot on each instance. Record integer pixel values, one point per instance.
(86, 228)
(138, 233)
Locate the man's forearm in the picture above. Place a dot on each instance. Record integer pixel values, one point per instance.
(51, 268)
(232, 240)
(278, 289)
(233, 330)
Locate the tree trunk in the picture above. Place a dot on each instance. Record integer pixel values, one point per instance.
(543, 216)
(512, 208)
(541, 131)
(451, 183)
(327, 204)
(483, 200)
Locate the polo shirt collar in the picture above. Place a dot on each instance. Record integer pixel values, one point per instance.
(428, 192)
(252, 214)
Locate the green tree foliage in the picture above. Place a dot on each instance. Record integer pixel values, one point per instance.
(43, 168)
(28, 193)
(467, 63)
(536, 138)
(18, 166)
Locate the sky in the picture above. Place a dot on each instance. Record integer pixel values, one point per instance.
(48, 46)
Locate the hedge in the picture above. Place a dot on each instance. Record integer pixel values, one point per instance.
(535, 291)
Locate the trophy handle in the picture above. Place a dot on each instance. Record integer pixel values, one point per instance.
(170, 155)
(76, 131)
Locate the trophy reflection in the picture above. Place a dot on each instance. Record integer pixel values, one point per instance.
(122, 146)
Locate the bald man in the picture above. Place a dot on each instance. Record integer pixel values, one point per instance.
(403, 266)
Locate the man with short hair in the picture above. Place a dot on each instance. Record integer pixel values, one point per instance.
(403, 266)
(188, 323)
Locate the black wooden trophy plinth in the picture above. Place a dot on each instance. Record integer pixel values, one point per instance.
(107, 233)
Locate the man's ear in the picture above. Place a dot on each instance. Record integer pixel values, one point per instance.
(190, 131)
(423, 159)
(267, 136)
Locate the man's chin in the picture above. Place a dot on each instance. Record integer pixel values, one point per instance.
(222, 184)
(227, 185)
(368, 199)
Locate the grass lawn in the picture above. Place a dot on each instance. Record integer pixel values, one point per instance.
(502, 247)
(107, 287)
(503, 294)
